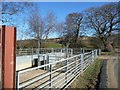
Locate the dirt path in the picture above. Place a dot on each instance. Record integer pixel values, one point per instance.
(112, 69)
(112, 73)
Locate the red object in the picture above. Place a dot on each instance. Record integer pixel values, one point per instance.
(8, 56)
(0, 57)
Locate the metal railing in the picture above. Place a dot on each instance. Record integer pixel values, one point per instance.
(55, 75)
(33, 51)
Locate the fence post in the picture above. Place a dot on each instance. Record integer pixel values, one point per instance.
(71, 52)
(47, 58)
(92, 55)
(47, 61)
(32, 55)
(44, 62)
(61, 50)
(50, 75)
(83, 50)
(17, 80)
(89, 61)
(66, 52)
(36, 51)
(99, 51)
(82, 59)
(8, 56)
(66, 71)
(76, 64)
(80, 50)
(96, 53)
(52, 50)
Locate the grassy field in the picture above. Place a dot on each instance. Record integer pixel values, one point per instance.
(89, 78)
(53, 45)
(34, 44)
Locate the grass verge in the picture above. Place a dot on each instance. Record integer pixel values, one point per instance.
(89, 78)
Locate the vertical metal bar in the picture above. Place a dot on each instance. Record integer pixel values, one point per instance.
(39, 41)
(76, 64)
(82, 59)
(17, 80)
(92, 55)
(61, 50)
(100, 51)
(80, 50)
(32, 55)
(44, 62)
(96, 53)
(83, 50)
(47, 61)
(52, 50)
(71, 52)
(67, 52)
(50, 75)
(36, 51)
(66, 71)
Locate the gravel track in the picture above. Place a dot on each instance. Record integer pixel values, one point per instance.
(109, 71)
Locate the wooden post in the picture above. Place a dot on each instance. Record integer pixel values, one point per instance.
(8, 56)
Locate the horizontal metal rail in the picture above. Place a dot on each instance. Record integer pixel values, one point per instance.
(62, 71)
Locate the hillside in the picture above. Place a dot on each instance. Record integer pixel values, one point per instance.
(84, 42)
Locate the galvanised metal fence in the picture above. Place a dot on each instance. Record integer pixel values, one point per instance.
(59, 74)
(21, 52)
(33, 51)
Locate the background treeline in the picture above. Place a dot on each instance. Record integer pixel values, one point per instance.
(101, 24)
(84, 42)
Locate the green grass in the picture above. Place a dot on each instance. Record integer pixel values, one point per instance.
(53, 45)
(89, 77)
(107, 53)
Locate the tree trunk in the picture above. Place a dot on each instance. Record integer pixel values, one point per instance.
(108, 47)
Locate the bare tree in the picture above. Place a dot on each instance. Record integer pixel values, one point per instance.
(104, 20)
(10, 9)
(50, 23)
(60, 28)
(36, 26)
(72, 27)
(14, 12)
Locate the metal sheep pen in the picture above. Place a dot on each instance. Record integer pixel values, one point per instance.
(58, 74)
